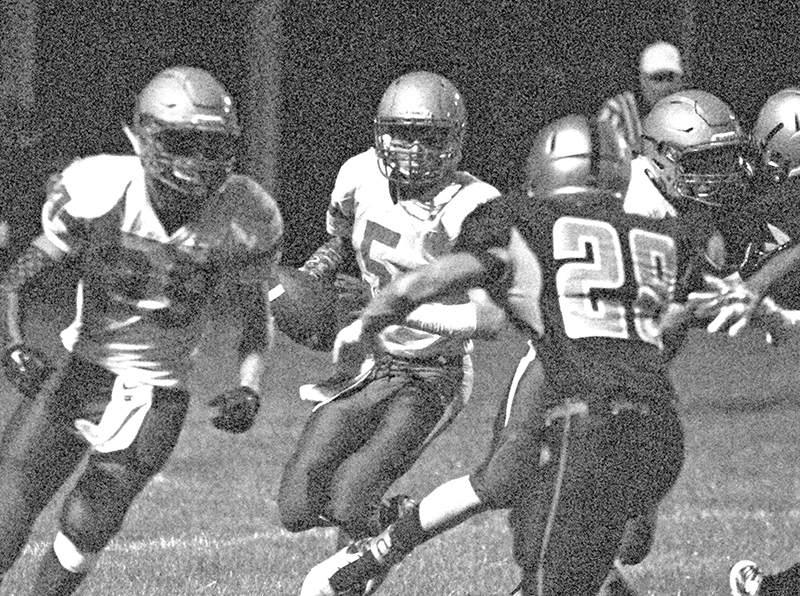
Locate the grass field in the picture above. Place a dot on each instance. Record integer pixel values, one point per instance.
(208, 524)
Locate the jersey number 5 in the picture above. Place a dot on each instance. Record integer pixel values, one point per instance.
(653, 262)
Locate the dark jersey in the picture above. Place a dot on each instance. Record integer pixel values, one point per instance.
(588, 282)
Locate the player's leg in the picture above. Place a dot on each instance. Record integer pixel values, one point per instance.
(120, 465)
(331, 433)
(566, 534)
(456, 500)
(411, 401)
(36, 459)
(504, 475)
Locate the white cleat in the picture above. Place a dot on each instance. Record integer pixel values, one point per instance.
(317, 581)
(745, 579)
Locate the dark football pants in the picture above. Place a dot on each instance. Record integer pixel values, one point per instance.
(600, 466)
(38, 460)
(520, 467)
(353, 448)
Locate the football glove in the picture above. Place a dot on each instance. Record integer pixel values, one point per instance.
(27, 369)
(236, 409)
(730, 305)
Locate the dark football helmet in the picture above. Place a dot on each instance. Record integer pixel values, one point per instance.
(578, 159)
(419, 129)
(776, 136)
(697, 148)
(186, 127)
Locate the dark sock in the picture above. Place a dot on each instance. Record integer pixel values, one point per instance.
(407, 532)
(783, 583)
(52, 579)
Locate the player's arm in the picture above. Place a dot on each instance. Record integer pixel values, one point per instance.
(733, 302)
(236, 408)
(337, 250)
(434, 281)
(782, 261)
(481, 260)
(485, 233)
(250, 275)
(454, 272)
(24, 366)
(329, 257)
(479, 317)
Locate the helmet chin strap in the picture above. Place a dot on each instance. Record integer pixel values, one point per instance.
(132, 138)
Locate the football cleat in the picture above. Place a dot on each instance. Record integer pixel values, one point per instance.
(318, 581)
(352, 571)
(745, 579)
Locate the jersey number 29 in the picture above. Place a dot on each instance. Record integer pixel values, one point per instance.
(653, 261)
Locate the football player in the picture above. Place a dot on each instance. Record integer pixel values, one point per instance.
(774, 224)
(497, 482)
(777, 145)
(588, 279)
(394, 207)
(694, 153)
(152, 235)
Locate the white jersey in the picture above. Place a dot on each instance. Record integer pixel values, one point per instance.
(390, 238)
(143, 292)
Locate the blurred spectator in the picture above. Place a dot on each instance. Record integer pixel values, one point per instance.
(661, 73)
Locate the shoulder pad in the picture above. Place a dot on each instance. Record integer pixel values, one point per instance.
(351, 173)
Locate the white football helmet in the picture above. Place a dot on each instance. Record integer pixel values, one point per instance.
(419, 129)
(776, 136)
(576, 159)
(186, 129)
(697, 148)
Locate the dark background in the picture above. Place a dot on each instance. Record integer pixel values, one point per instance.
(518, 64)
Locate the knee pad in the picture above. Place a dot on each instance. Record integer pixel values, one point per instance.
(95, 509)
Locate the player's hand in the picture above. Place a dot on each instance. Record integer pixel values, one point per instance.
(27, 369)
(730, 305)
(236, 409)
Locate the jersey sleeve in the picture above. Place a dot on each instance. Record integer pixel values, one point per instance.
(486, 234)
(472, 194)
(488, 226)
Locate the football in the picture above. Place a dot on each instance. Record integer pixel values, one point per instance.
(304, 308)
